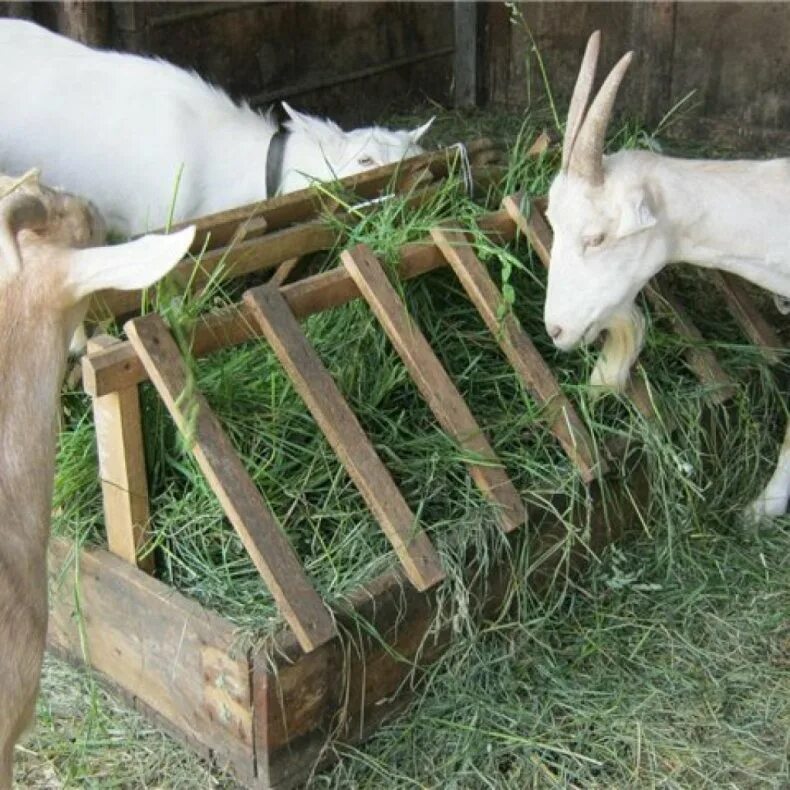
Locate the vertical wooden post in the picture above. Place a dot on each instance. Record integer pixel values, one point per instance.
(465, 59)
(84, 21)
(119, 437)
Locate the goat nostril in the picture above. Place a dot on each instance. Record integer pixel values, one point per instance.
(555, 330)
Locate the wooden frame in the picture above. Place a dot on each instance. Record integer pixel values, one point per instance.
(339, 667)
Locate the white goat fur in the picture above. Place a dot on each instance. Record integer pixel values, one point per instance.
(117, 128)
(44, 287)
(642, 211)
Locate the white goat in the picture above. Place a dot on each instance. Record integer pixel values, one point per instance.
(117, 128)
(44, 284)
(618, 220)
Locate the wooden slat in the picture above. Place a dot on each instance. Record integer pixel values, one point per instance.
(318, 390)
(700, 359)
(749, 318)
(434, 383)
(124, 483)
(303, 205)
(520, 351)
(248, 513)
(120, 367)
(252, 255)
(534, 227)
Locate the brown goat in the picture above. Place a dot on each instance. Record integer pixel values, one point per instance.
(47, 272)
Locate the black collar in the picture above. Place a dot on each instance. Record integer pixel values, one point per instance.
(274, 161)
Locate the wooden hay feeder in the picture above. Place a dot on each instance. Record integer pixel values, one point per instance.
(268, 715)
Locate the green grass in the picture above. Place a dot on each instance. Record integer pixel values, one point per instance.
(667, 666)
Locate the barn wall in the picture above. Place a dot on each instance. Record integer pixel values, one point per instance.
(736, 56)
(353, 61)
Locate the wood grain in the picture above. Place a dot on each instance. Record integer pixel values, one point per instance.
(520, 351)
(162, 649)
(435, 385)
(119, 367)
(344, 433)
(255, 524)
(124, 483)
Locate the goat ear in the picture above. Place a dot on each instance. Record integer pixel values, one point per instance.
(308, 124)
(417, 133)
(636, 215)
(127, 267)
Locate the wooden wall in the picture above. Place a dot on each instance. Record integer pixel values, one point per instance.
(353, 61)
(735, 55)
(360, 61)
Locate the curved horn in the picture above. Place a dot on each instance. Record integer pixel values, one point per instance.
(587, 155)
(581, 96)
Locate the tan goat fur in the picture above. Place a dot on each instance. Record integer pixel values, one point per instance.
(45, 278)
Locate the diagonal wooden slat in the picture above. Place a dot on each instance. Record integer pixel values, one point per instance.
(434, 383)
(338, 423)
(746, 313)
(520, 351)
(702, 361)
(250, 516)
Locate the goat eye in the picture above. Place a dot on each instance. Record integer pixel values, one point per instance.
(594, 241)
(366, 161)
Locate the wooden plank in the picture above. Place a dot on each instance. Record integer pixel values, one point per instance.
(283, 272)
(520, 351)
(434, 383)
(700, 359)
(253, 255)
(164, 650)
(531, 224)
(256, 254)
(301, 206)
(344, 433)
(119, 367)
(124, 483)
(465, 55)
(749, 318)
(255, 524)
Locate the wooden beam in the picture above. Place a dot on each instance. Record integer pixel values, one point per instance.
(276, 213)
(250, 516)
(248, 255)
(699, 358)
(746, 313)
(435, 384)
(119, 441)
(465, 55)
(119, 367)
(521, 353)
(338, 423)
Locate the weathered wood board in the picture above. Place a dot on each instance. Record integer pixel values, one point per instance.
(256, 525)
